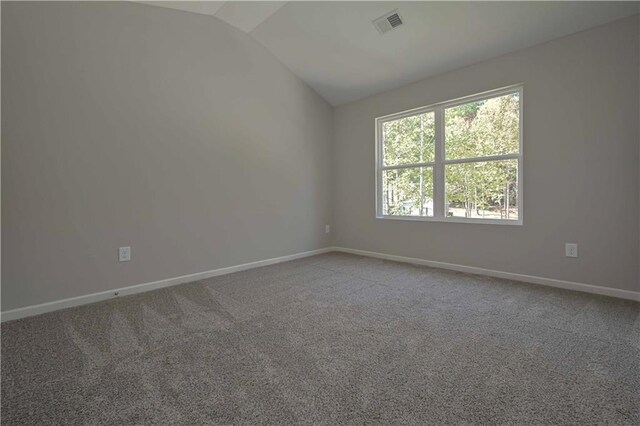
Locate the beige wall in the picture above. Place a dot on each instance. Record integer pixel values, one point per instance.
(581, 142)
(178, 135)
(173, 133)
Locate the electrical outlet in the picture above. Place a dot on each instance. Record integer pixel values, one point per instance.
(124, 254)
(327, 229)
(571, 250)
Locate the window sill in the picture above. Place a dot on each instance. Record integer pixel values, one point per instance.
(454, 220)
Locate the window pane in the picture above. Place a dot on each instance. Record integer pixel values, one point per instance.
(483, 128)
(407, 192)
(409, 140)
(484, 190)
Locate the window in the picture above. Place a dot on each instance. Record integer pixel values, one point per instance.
(457, 161)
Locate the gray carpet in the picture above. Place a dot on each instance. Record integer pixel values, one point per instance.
(331, 339)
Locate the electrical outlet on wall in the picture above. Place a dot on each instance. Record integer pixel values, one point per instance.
(327, 229)
(571, 250)
(124, 254)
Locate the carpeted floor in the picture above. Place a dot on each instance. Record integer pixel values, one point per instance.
(331, 339)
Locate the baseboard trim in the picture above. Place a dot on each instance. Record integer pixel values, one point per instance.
(551, 282)
(42, 308)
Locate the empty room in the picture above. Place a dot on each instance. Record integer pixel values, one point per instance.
(336, 213)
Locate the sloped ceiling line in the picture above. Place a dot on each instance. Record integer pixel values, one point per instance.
(334, 47)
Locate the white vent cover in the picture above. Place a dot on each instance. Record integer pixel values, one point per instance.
(388, 21)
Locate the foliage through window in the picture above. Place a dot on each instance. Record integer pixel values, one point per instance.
(455, 161)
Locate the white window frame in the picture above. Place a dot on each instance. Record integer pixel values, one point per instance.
(438, 166)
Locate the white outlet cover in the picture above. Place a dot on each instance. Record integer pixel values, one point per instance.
(327, 229)
(124, 254)
(571, 250)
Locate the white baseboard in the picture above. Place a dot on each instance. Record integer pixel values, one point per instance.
(569, 285)
(139, 288)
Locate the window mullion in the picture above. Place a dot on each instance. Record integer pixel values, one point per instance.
(500, 157)
(408, 166)
(438, 170)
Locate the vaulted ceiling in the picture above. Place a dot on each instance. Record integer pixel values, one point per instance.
(335, 49)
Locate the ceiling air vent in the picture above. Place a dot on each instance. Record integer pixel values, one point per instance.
(388, 21)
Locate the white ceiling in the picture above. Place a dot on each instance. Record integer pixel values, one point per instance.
(336, 50)
(244, 15)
